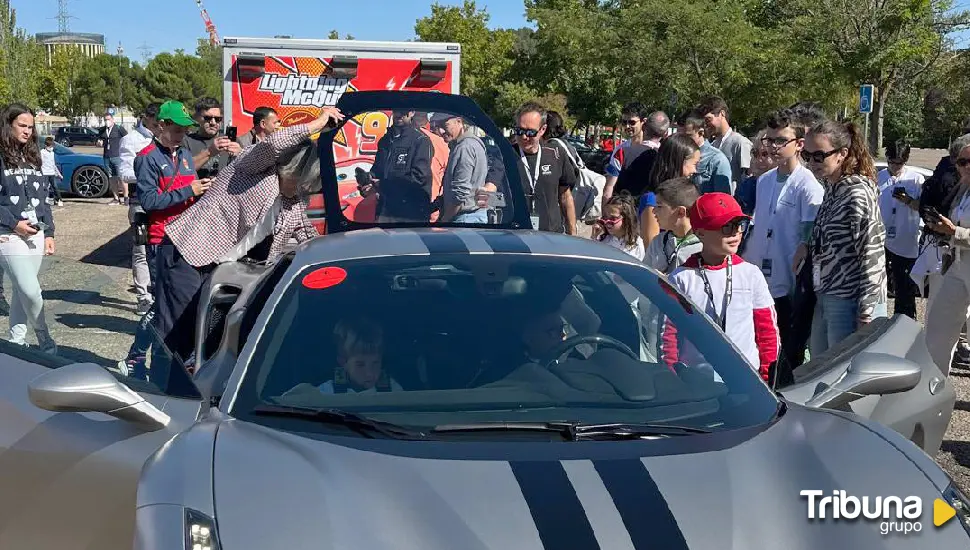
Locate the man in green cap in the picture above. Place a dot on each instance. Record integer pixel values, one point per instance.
(166, 186)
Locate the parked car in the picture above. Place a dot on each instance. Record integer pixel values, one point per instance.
(70, 136)
(925, 172)
(516, 398)
(85, 175)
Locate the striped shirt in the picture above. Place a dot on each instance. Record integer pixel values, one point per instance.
(848, 244)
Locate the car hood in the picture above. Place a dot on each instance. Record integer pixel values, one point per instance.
(278, 489)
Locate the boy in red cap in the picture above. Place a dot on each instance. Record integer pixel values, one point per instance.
(732, 292)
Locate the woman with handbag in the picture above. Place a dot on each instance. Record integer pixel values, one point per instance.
(26, 224)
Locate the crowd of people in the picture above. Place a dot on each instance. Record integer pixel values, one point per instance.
(831, 237)
(793, 233)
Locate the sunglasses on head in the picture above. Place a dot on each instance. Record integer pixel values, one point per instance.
(818, 156)
(212, 118)
(527, 132)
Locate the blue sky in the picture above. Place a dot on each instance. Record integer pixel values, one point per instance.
(175, 24)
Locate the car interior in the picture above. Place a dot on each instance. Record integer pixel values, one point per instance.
(445, 354)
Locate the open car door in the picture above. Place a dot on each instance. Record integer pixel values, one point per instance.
(73, 440)
(859, 375)
(401, 173)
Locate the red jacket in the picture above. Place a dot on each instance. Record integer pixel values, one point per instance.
(164, 186)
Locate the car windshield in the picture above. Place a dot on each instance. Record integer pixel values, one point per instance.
(470, 339)
(419, 163)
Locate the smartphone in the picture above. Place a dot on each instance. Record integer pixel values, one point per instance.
(931, 215)
(231, 133)
(900, 192)
(39, 226)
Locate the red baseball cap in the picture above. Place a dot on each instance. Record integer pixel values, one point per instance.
(712, 211)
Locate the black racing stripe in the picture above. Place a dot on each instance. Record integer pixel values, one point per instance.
(505, 242)
(641, 505)
(554, 505)
(443, 242)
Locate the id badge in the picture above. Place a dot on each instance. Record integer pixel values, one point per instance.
(766, 267)
(535, 222)
(891, 232)
(816, 276)
(30, 216)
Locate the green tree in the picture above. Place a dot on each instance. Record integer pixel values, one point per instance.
(58, 90)
(888, 43)
(21, 60)
(180, 76)
(486, 55)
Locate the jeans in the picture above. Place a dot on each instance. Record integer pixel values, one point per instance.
(835, 320)
(144, 334)
(55, 191)
(477, 216)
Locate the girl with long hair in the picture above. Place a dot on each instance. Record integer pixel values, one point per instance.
(847, 246)
(26, 223)
(618, 226)
(677, 158)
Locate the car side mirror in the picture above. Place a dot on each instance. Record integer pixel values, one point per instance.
(869, 374)
(87, 387)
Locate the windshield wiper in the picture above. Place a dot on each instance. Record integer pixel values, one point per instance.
(360, 424)
(576, 431)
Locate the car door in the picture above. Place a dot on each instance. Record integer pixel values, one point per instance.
(68, 480)
(368, 118)
(920, 414)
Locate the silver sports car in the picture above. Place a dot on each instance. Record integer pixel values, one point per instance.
(393, 385)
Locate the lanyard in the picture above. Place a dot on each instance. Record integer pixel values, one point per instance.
(533, 174)
(677, 246)
(728, 289)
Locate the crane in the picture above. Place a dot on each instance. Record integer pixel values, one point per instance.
(210, 27)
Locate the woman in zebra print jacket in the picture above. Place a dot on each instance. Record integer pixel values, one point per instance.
(847, 245)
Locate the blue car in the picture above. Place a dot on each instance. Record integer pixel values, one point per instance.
(85, 175)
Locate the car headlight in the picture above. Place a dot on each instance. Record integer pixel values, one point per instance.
(200, 531)
(959, 501)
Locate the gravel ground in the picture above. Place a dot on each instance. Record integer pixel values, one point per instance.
(91, 308)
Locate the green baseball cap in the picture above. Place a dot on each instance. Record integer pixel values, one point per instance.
(176, 113)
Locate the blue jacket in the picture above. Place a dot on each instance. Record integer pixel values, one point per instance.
(714, 171)
(164, 187)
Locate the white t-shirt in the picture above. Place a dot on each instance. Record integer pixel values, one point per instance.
(782, 205)
(637, 250)
(902, 222)
(751, 302)
(48, 166)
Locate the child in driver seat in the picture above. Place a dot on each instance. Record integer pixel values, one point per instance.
(360, 353)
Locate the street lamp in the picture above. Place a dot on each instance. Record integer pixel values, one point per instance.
(121, 97)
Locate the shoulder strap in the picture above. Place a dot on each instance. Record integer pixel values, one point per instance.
(569, 153)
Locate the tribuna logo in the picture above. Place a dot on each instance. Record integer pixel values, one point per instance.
(895, 514)
(303, 90)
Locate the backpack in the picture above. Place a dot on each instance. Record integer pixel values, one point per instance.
(589, 187)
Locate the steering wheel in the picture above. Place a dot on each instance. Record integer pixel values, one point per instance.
(599, 339)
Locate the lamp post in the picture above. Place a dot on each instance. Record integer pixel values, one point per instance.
(121, 97)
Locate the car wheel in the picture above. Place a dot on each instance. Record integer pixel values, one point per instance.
(89, 182)
(65, 142)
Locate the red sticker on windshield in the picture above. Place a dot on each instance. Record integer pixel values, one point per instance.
(325, 277)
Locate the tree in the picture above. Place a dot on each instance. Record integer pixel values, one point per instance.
(880, 42)
(334, 35)
(486, 55)
(21, 59)
(181, 77)
(58, 89)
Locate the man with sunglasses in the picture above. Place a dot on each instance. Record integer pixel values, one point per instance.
(633, 120)
(548, 176)
(210, 151)
(787, 200)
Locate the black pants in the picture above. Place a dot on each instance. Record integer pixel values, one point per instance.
(904, 286)
(55, 191)
(784, 367)
(177, 290)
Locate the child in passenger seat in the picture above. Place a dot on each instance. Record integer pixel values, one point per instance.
(360, 354)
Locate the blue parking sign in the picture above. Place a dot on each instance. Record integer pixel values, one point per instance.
(866, 93)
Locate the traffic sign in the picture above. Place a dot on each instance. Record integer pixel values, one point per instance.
(866, 93)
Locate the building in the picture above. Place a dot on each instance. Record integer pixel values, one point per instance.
(89, 44)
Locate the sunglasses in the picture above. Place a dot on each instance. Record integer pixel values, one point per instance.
(732, 227)
(818, 156)
(527, 132)
(895, 161)
(631, 122)
(212, 118)
(777, 142)
(611, 218)
(963, 163)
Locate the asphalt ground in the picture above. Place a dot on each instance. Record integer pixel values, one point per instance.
(90, 305)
